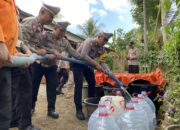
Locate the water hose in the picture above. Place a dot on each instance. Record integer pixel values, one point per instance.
(119, 84)
(18, 61)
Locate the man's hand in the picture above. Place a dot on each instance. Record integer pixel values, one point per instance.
(57, 54)
(41, 51)
(28, 52)
(4, 54)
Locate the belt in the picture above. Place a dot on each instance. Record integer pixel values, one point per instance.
(43, 65)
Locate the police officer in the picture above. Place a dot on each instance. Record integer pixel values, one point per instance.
(62, 73)
(32, 29)
(89, 50)
(21, 95)
(55, 43)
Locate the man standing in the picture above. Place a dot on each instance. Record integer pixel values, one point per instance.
(133, 57)
(55, 43)
(32, 29)
(21, 94)
(62, 73)
(8, 40)
(89, 50)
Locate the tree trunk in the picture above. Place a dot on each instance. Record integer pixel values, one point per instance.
(163, 20)
(145, 26)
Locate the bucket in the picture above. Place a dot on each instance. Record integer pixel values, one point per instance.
(91, 105)
(139, 85)
(108, 89)
(85, 91)
(98, 91)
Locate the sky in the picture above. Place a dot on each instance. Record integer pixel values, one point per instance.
(110, 14)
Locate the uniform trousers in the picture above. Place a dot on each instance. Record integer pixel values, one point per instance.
(70, 84)
(21, 97)
(5, 98)
(80, 71)
(51, 82)
(133, 69)
(63, 76)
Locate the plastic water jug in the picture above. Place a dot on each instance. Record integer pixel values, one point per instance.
(149, 111)
(116, 102)
(148, 100)
(133, 118)
(102, 119)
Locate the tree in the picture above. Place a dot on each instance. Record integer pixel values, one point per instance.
(145, 26)
(146, 14)
(90, 28)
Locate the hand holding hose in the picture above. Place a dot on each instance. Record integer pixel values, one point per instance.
(99, 67)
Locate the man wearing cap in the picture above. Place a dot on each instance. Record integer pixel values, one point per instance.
(21, 95)
(89, 50)
(32, 30)
(54, 42)
(32, 27)
(133, 56)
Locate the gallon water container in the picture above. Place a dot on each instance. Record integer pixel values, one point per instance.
(116, 102)
(149, 111)
(102, 118)
(133, 118)
(148, 100)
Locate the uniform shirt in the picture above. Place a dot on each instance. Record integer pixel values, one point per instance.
(133, 54)
(32, 32)
(89, 50)
(50, 42)
(8, 25)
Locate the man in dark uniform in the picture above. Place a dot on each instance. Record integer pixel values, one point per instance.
(22, 95)
(32, 29)
(89, 50)
(55, 43)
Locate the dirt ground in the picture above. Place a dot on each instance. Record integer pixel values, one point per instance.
(66, 109)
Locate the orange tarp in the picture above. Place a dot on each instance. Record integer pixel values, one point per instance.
(155, 77)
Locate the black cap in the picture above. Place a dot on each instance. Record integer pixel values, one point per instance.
(52, 9)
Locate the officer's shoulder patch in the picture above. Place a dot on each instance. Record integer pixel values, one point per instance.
(34, 27)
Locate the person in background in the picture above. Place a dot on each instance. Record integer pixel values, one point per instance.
(32, 30)
(89, 50)
(8, 40)
(62, 73)
(133, 58)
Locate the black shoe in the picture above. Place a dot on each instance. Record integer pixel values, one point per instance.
(31, 127)
(14, 124)
(59, 92)
(80, 115)
(53, 114)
